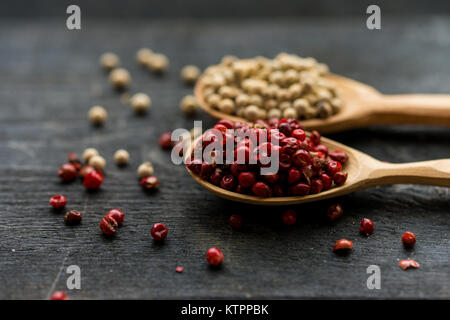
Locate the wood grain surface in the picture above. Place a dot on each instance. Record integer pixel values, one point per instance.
(50, 78)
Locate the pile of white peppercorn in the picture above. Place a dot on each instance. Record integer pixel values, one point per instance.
(287, 86)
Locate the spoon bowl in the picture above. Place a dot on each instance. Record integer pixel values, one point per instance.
(363, 172)
(364, 106)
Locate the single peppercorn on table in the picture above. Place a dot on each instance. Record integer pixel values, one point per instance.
(51, 78)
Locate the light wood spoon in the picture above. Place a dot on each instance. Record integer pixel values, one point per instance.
(363, 172)
(364, 106)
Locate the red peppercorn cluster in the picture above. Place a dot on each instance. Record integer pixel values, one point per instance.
(304, 164)
(68, 172)
(110, 223)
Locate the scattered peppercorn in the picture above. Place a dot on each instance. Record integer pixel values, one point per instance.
(214, 256)
(334, 212)
(159, 231)
(117, 214)
(97, 115)
(189, 104)
(145, 170)
(97, 162)
(342, 245)
(72, 217)
(289, 217)
(165, 140)
(158, 63)
(109, 61)
(409, 239)
(190, 73)
(85, 170)
(120, 78)
(144, 56)
(121, 157)
(108, 225)
(408, 263)
(93, 180)
(366, 227)
(150, 183)
(73, 159)
(140, 102)
(58, 202)
(67, 172)
(179, 269)
(236, 221)
(88, 154)
(59, 295)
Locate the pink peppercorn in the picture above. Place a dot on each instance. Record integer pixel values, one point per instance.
(334, 212)
(409, 239)
(340, 177)
(228, 182)
(179, 269)
(116, 214)
(108, 225)
(315, 137)
(367, 227)
(343, 245)
(299, 134)
(332, 167)
(236, 221)
(247, 179)
(340, 156)
(159, 231)
(93, 180)
(261, 189)
(408, 263)
(67, 172)
(326, 180)
(294, 175)
(59, 295)
(289, 217)
(72, 217)
(165, 140)
(316, 186)
(58, 202)
(214, 256)
(300, 189)
(150, 183)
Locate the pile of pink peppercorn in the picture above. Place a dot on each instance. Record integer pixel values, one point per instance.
(305, 165)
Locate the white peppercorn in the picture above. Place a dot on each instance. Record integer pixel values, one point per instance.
(159, 63)
(97, 115)
(120, 78)
(88, 154)
(274, 113)
(97, 162)
(251, 113)
(190, 73)
(121, 157)
(290, 113)
(140, 102)
(145, 170)
(144, 56)
(226, 106)
(109, 61)
(213, 100)
(189, 104)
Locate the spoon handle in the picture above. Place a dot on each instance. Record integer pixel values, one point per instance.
(434, 172)
(433, 109)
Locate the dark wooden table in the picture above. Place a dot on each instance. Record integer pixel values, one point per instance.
(50, 78)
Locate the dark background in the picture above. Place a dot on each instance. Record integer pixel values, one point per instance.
(49, 78)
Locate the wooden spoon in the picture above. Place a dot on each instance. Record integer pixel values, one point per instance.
(363, 172)
(364, 106)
